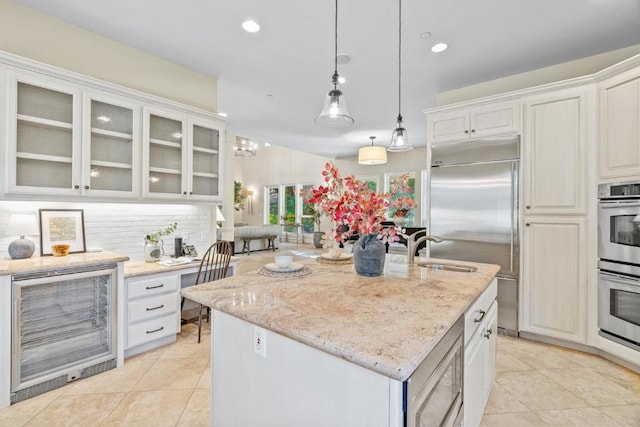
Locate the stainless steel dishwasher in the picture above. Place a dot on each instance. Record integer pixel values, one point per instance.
(63, 327)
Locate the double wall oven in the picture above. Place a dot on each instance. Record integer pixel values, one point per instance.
(619, 263)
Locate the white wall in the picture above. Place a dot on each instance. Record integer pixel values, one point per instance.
(120, 227)
(28, 33)
(554, 73)
(277, 165)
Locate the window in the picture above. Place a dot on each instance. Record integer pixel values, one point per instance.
(308, 211)
(289, 215)
(371, 180)
(389, 179)
(273, 204)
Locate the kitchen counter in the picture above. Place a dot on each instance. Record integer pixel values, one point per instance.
(387, 324)
(142, 268)
(16, 266)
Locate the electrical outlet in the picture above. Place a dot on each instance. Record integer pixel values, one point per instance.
(260, 341)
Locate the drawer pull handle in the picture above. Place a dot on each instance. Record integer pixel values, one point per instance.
(155, 287)
(488, 334)
(479, 319)
(156, 330)
(155, 308)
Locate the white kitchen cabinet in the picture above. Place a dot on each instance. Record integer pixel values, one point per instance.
(554, 277)
(44, 136)
(619, 141)
(554, 152)
(63, 141)
(480, 330)
(182, 156)
(473, 122)
(152, 311)
(110, 146)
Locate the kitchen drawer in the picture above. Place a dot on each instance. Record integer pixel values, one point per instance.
(146, 308)
(476, 313)
(151, 330)
(152, 285)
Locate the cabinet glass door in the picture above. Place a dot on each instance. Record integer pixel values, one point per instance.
(165, 160)
(45, 138)
(111, 161)
(205, 157)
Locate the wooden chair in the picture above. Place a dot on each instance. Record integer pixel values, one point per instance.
(214, 266)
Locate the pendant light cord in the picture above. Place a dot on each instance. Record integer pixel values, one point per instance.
(399, 59)
(335, 51)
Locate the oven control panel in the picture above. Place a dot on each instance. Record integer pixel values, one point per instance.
(622, 190)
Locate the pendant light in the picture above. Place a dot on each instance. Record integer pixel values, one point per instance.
(399, 137)
(334, 110)
(372, 155)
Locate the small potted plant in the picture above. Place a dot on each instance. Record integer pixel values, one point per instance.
(153, 245)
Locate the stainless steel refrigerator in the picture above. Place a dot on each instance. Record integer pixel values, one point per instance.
(474, 209)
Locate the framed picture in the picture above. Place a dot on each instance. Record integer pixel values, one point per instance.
(58, 226)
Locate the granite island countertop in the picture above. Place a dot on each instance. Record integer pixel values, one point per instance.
(387, 324)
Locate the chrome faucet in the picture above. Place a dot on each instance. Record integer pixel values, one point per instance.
(413, 241)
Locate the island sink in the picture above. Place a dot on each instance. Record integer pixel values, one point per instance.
(449, 267)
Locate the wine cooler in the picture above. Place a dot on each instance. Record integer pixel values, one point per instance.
(64, 328)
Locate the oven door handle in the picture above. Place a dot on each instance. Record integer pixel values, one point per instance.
(620, 204)
(625, 280)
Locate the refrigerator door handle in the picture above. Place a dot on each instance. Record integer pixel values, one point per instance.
(514, 214)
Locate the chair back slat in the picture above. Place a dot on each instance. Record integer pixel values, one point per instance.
(215, 262)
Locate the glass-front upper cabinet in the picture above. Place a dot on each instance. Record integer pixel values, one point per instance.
(164, 155)
(44, 136)
(204, 159)
(111, 147)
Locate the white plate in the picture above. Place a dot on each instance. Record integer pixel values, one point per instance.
(343, 256)
(294, 266)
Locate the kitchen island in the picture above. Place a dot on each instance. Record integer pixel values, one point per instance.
(328, 346)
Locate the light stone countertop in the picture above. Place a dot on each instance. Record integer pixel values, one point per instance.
(142, 268)
(27, 265)
(387, 324)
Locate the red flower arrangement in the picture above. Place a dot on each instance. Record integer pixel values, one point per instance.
(356, 209)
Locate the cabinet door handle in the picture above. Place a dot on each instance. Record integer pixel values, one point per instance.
(528, 224)
(86, 187)
(184, 192)
(466, 131)
(488, 334)
(528, 207)
(190, 192)
(155, 308)
(479, 319)
(76, 187)
(156, 330)
(473, 130)
(155, 287)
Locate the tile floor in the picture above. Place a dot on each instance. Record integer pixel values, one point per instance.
(536, 385)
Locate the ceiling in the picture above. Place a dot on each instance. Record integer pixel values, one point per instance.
(272, 83)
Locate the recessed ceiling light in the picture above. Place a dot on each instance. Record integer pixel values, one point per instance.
(425, 35)
(341, 80)
(439, 47)
(221, 114)
(251, 26)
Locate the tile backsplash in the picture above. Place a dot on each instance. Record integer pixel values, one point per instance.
(121, 227)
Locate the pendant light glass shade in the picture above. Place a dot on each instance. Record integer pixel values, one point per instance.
(334, 110)
(372, 155)
(399, 137)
